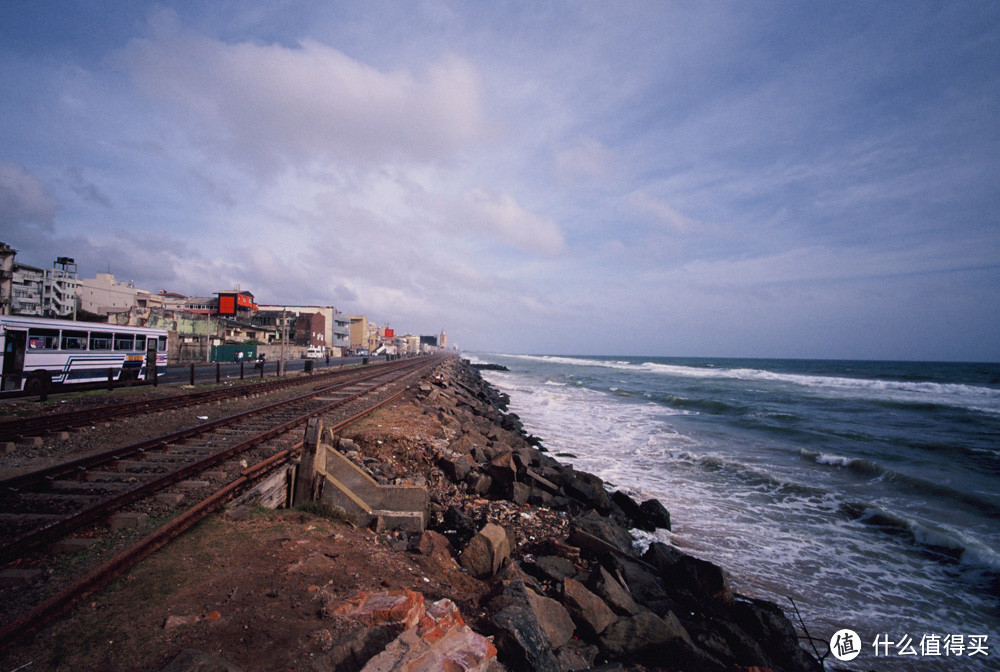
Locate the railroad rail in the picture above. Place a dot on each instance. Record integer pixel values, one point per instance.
(38, 425)
(45, 506)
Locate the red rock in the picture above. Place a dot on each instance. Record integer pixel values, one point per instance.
(402, 607)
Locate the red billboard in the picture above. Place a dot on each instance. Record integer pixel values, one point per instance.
(390, 333)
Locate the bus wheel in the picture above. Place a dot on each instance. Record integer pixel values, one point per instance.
(38, 382)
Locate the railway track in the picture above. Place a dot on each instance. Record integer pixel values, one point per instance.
(40, 425)
(70, 504)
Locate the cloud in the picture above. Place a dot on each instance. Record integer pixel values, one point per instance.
(587, 158)
(500, 216)
(666, 215)
(25, 200)
(268, 105)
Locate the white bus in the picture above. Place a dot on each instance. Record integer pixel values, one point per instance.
(39, 352)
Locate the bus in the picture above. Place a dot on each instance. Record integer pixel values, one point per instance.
(39, 353)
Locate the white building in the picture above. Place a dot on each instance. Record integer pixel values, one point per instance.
(103, 295)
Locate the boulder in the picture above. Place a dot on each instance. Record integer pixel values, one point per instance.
(552, 617)
(642, 582)
(767, 625)
(519, 637)
(685, 572)
(589, 490)
(662, 642)
(456, 466)
(654, 515)
(630, 509)
(519, 493)
(502, 470)
(441, 641)
(486, 552)
(588, 611)
(601, 528)
(614, 594)
(402, 608)
(432, 543)
(551, 568)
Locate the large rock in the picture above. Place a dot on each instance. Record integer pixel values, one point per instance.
(587, 489)
(518, 635)
(552, 617)
(601, 528)
(643, 583)
(614, 594)
(402, 608)
(767, 625)
(486, 552)
(654, 515)
(662, 642)
(551, 568)
(589, 611)
(441, 641)
(502, 470)
(630, 509)
(700, 578)
(456, 466)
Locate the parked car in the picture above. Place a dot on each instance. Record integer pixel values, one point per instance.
(314, 352)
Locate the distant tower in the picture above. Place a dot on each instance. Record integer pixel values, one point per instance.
(443, 342)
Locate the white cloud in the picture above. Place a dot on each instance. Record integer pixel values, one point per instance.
(500, 216)
(270, 104)
(586, 158)
(24, 199)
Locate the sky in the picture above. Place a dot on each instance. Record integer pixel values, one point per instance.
(672, 178)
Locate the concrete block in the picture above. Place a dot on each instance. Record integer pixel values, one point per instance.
(74, 544)
(18, 577)
(127, 520)
(170, 498)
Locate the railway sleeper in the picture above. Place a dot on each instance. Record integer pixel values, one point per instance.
(38, 502)
(22, 520)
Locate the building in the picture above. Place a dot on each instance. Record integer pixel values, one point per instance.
(59, 292)
(336, 330)
(310, 330)
(103, 295)
(26, 290)
(236, 304)
(444, 340)
(7, 254)
(43, 292)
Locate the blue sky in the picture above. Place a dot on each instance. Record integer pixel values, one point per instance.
(661, 178)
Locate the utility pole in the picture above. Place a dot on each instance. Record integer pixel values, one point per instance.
(284, 337)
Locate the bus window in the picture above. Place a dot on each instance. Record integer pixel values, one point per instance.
(100, 340)
(74, 340)
(43, 339)
(161, 344)
(140, 343)
(123, 341)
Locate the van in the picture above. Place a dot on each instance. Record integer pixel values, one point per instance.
(314, 352)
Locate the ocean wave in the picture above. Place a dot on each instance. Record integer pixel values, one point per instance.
(950, 543)
(971, 397)
(868, 468)
(975, 398)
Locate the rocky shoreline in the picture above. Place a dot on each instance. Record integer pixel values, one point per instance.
(583, 597)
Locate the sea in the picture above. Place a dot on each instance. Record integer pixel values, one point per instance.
(856, 495)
